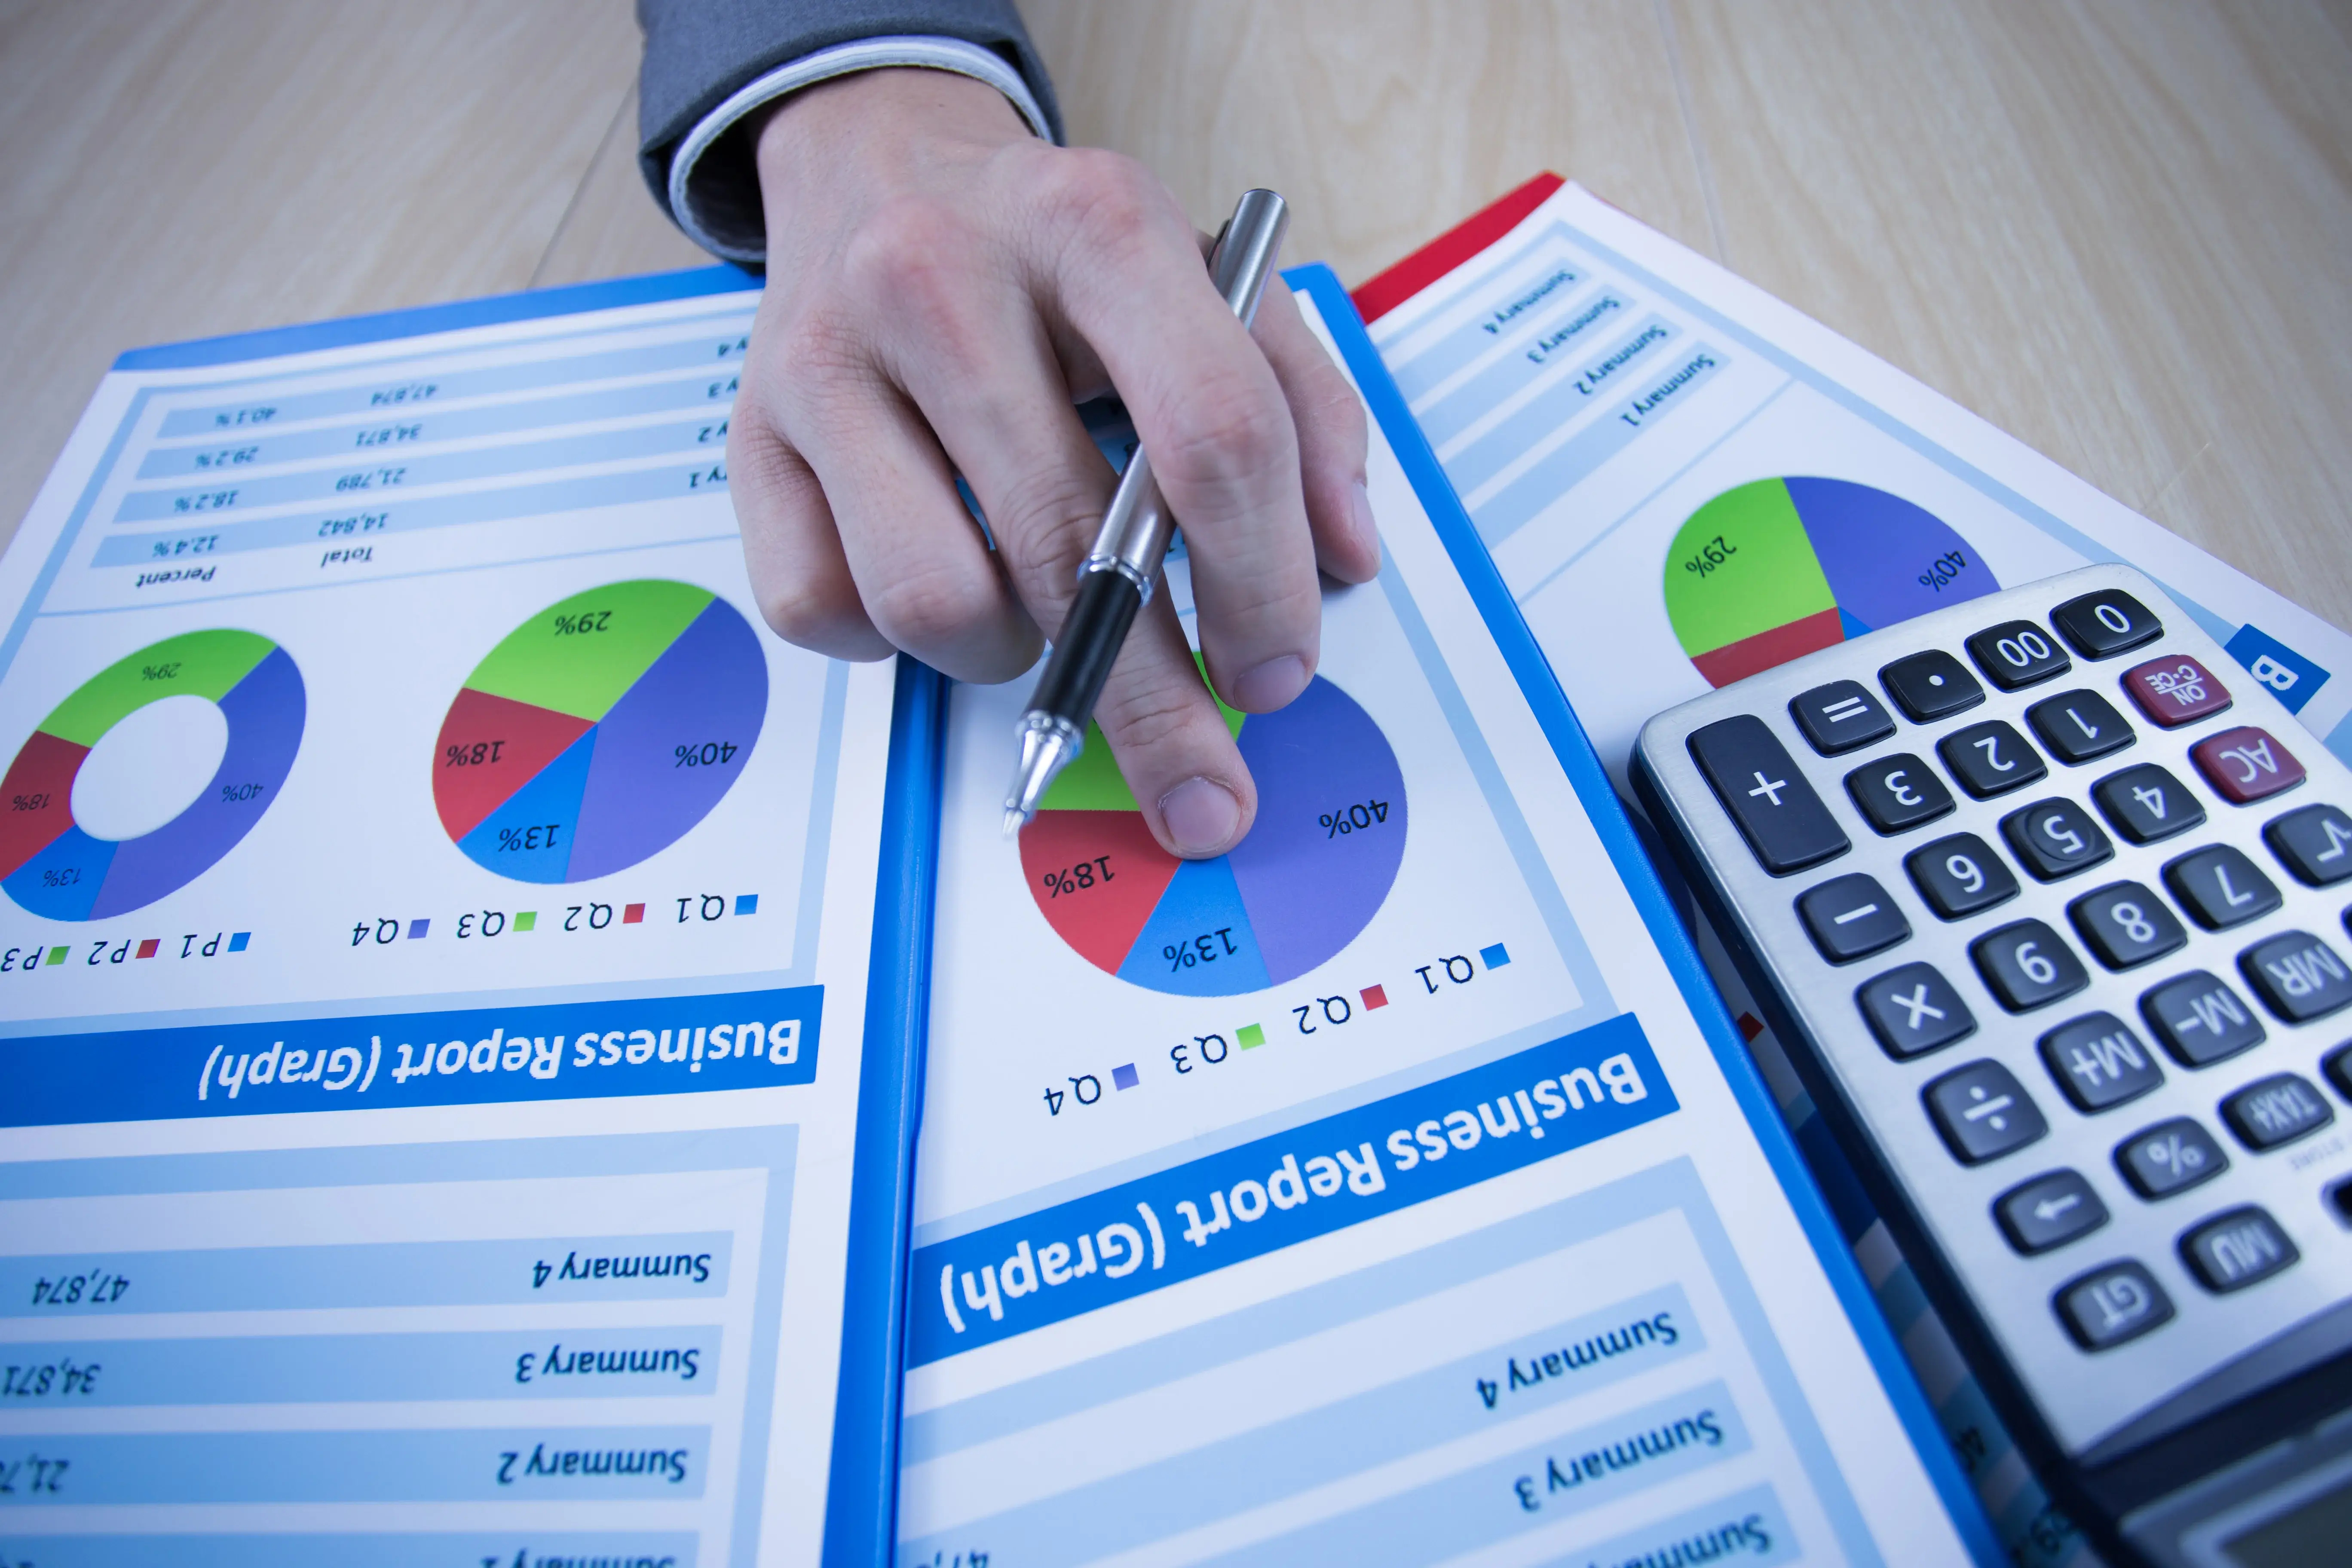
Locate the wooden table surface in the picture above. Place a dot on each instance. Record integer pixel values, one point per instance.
(2117, 228)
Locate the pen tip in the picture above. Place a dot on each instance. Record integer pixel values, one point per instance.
(1015, 819)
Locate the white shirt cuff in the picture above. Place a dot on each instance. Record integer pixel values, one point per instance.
(842, 59)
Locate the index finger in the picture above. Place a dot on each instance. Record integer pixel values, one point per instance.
(1208, 407)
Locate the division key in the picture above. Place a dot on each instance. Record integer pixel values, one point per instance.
(1784, 822)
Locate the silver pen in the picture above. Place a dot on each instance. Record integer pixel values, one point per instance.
(1117, 577)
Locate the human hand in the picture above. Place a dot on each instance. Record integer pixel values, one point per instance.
(943, 286)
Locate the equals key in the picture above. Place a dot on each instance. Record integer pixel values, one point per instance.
(1787, 827)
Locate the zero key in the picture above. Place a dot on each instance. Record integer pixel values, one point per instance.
(1784, 822)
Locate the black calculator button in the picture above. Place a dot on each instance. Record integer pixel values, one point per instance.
(2113, 1303)
(1852, 917)
(1914, 1010)
(2027, 965)
(2098, 1062)
(2199, 1019)
(2146, 803)
(2106, 623)
(2233, 1250)
(2298, 976)
(2315, 843)
(1983, 1112)
(1931, 685)
(2170, 1157)
(1784, 822)
(2125, 925)
(1898, 792)
(2055, 838)
(2174, 689)
(1960, 876)
(2220, 887)
(2079, 726)
(2016, 654)
(2049, 1212)
(2276, 1111)
(2246, 764)
(1841, 716)
(1990, 759)
(2336, 1065)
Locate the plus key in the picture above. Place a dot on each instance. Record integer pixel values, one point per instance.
(1784, 822)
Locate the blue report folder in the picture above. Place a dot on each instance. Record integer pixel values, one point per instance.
(451, 949)
(464, 980)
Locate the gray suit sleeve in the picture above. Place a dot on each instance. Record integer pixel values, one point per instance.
(700, 52)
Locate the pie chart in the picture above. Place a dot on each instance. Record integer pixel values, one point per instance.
(600, 731)
(1314, 870)
(54, 867)
(1782, 567)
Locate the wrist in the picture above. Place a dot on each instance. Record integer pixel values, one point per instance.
(873, 123)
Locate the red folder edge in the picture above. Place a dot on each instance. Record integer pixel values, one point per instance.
(1384, 292)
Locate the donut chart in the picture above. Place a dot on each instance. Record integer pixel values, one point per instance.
(599, 731)
(1778, 568)
(1314, 868)
(53, 868)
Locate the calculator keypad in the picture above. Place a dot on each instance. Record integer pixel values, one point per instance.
(2146, 968)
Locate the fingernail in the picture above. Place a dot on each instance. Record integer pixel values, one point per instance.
(1201, 816)
(1270, 685)
(1360, 501)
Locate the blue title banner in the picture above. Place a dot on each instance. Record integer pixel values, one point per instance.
(574, 1050)
(1228, 1207)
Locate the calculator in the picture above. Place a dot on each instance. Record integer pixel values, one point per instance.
(2050, 900)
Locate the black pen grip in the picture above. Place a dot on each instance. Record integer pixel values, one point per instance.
(1092, 634)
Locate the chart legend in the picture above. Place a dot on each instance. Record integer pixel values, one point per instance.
(599, 731)
(1311, 874)
(1779, 568)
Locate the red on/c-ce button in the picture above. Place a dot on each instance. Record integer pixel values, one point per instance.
(2245, 764)
(2174, 689)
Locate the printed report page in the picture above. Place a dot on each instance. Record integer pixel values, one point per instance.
(432, 963)
(1686, 481)
(1370, 1194)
